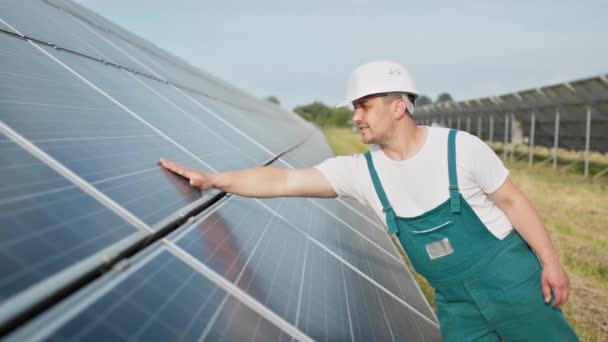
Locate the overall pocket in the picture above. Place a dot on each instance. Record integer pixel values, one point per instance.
(433, 229)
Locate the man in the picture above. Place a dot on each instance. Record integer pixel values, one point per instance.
(449, 200)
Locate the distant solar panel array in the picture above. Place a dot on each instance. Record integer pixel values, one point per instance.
(572, 115)
(99, 243)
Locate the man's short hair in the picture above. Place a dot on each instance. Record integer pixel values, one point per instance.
(409, 100)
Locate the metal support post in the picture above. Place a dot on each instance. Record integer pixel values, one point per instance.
(469, 124)
(458, 123)
(531, 148)
(504, 147)
(491, 127)
(511, 125)
(479, 128)
(587, 140)
(556, 138)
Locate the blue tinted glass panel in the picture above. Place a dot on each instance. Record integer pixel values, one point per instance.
(46, 223)
(89, 134)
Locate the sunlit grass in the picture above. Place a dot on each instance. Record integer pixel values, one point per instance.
(575, 211)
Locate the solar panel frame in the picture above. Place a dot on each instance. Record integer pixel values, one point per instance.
(274, 118)
(77, 315)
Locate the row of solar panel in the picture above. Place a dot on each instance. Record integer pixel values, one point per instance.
(584, 91)
(572, 124)
(226, 240)
(109, 127)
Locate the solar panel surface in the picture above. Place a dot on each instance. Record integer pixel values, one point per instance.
(46, 222)
(272, 269)
(159, 297)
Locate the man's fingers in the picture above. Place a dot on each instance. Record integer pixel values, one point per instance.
(557, 296)
(546, 291)
(195, 178)
(180, 170)
(561, 295)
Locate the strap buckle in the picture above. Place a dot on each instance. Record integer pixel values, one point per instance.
(453, 187)
(384, 210)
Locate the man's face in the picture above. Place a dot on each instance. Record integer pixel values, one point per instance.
(373, 118)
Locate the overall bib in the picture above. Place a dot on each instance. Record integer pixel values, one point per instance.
(484, 287)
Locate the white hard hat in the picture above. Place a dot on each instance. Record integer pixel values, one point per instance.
(379, 77)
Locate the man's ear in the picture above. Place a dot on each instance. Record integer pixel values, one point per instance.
(399, 109)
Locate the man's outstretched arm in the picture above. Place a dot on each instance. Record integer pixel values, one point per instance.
(266, 181)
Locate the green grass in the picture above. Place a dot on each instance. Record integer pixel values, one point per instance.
(575, 211)
(344, 141)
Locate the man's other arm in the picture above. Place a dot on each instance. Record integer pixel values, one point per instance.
(528, 223)
(266, 181)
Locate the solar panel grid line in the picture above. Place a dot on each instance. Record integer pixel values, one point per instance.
(235, 291)
(345, 262)
(375, 224)
(299, 304)
(35, 194)
(29, 298)
(414, 281)
(125, 108)
(85, 22)
(241, 272)
(79, 21)
(397, 251)
(386, 316)
(185, 112)
(127, 69)
(350, 320)
(381, 303)
(45, 326)
(172, 85)
(132, 39)
(246, 136)
(156, 75)
(400, 261)
(356, 231)
(52, 45)
(388, 324)
(365, 217)
(74, 178)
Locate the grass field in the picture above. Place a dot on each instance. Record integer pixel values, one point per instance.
(575, 212)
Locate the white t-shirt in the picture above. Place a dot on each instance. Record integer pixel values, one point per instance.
(420, 183)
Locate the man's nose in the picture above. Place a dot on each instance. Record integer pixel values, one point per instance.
(357, 114)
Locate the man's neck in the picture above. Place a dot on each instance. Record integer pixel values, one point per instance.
(405, 142)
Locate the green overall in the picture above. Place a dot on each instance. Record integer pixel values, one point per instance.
(484, 287)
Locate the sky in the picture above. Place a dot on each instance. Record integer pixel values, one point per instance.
(304, 51)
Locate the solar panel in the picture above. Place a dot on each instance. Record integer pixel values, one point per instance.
(46, 222)
(268, 258)
(91, 135)
(190, 133)
(159, 297)
(242, 269)
(44, 22)
(311, 152)
(355, 249)
(285, 132)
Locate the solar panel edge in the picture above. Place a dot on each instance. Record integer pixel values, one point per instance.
(50, 320)
(31, 301)
(156, 76)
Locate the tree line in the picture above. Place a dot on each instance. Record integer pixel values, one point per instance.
(323, 115)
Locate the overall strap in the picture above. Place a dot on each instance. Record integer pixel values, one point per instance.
(454, 193)
(386, 207)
